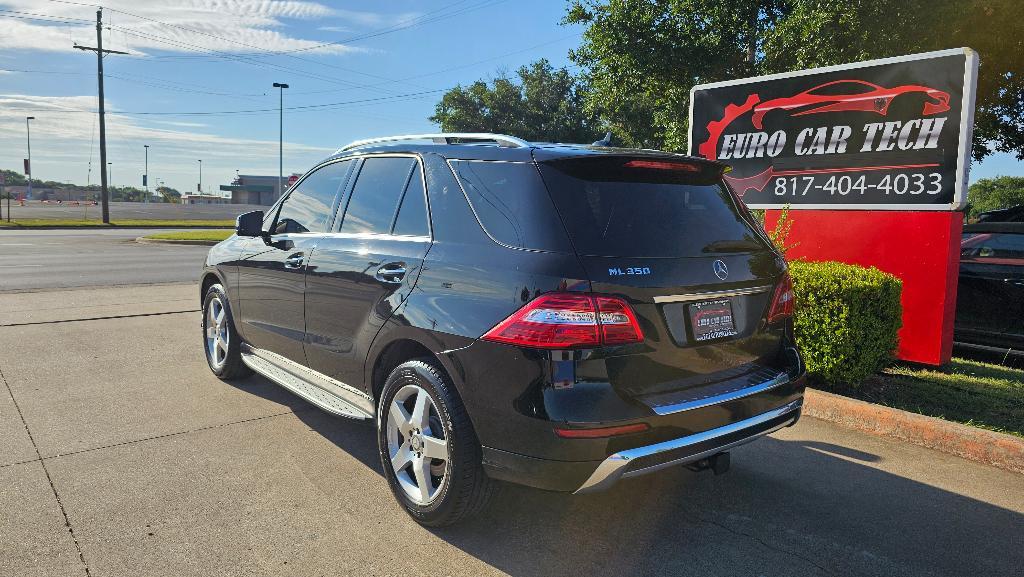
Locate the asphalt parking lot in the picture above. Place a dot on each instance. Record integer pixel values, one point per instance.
(47, 259)
(132, 210)
(121, 454)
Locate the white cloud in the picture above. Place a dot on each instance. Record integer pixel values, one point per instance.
(63, 143)
(236, 23)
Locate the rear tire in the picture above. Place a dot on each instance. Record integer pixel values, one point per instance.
(220, 339)
(428, 449)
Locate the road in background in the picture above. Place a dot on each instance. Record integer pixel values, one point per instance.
(41, 259)
(130, 210)
(121, 454)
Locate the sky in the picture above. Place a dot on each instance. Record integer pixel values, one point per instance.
(197, 82)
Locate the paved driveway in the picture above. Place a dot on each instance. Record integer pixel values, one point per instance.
(120, 454)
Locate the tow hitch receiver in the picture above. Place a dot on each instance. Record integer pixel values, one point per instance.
(718, 464)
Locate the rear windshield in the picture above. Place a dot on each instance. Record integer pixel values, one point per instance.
(647, 208)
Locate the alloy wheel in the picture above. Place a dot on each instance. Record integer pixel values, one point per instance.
(417, 445)
(216, 333)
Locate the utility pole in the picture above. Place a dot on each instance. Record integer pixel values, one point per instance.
(28, 165)
(145, 177)
(280, 140)
(105, 194)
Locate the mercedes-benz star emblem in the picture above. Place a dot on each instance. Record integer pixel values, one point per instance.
(721, 271)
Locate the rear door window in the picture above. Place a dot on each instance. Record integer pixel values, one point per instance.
(412, 217)
(378, 190)
(512, 204)
(647, 208)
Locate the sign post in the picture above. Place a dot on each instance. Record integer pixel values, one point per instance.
(872, 156)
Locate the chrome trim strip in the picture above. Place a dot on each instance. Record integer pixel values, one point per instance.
(710, 295)
(503, 140)
(779, 380)
(614, 467)
(330, 395)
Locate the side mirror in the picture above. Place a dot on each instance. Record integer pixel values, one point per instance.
(249, 224)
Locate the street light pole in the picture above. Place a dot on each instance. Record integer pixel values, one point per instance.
(110, 174)
(200, 190)
(280, 139)
(145, 177)
(28, 136)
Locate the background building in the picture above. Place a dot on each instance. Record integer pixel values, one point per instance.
(204, 199)
(254, 189)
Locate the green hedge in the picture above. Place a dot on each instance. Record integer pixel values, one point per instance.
(846, 319)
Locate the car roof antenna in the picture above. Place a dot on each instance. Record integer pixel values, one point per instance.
(606, 141)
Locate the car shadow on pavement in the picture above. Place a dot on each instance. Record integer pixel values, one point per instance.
(786, 508)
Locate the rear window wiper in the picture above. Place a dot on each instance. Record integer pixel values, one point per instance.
(732, 246)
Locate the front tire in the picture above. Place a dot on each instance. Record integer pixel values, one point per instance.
(220, 339)
(428, 449)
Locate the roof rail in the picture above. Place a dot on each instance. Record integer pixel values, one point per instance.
(502, 140)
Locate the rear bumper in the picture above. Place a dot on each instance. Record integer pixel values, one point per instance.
(643, 460)
(591, 476)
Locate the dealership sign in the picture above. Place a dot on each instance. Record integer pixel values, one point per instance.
(890, 134)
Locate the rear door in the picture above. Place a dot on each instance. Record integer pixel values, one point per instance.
(362, 272)
(271, 275)
(667, 235)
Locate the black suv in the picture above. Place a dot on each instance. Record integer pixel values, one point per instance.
(556, 315)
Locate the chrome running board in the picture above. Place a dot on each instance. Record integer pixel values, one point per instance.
(330, 395)
(616, 466)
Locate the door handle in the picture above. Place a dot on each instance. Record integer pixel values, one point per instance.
(393, 272)
(294, 261)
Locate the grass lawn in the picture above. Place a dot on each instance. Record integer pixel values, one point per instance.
(970, 392)
(33, 222)
(215, 235)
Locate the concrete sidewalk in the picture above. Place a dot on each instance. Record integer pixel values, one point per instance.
(121, 454)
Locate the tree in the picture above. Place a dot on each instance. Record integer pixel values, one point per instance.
(169, 194)
(994, 193)
(12, 178)
(641, 57)
(542, 104)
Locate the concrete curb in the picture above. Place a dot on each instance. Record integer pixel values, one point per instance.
(145, 240)
(996, 449)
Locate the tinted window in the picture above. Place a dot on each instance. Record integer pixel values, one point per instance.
(989, 246)
(512, 204)
(412, 215)
(375, 197)
(624, 207)
(310, 206)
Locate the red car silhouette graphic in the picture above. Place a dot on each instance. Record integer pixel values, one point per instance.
(854, 95)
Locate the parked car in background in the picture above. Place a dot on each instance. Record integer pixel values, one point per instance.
(560, 316)
(1011, 214)
(990, 295)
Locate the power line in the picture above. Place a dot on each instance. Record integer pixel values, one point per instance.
(244, 60)
(398, 27)
(303, 108)
(45, 15)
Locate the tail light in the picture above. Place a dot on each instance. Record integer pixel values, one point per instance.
(661, 165)
(783, 300)
(569, 320)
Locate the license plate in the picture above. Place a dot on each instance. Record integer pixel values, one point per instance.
(712, 320)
